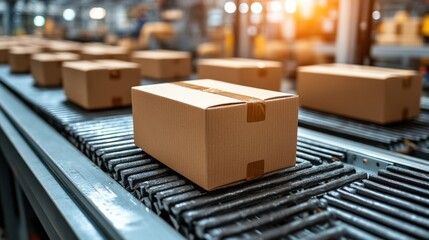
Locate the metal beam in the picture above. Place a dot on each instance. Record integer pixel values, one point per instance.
(348, 23)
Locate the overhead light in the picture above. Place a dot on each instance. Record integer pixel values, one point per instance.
(256, 7)
(306, 8)
(39, 21)
(97, 13)
(275, 6)
(230, 7)
(376, 15)
(69, 14)
(243, 8)
(290, 6)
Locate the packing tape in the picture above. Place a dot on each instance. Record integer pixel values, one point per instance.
(255, 106)
(114, 74)
(117, 101)
(255, 169)
(406, 82)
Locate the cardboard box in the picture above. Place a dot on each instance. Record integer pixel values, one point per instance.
(100, 84)
(46, 67)
(216, 133)
(373, 94)
(248, 72)
(390, 26)
(411, 27)
(163, 64)
(104, 52)
(4, 52)
(19, 58)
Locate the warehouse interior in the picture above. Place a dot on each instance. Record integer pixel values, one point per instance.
(214, 119)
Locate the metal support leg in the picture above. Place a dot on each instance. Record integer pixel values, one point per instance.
(345, 51)
(8, 201)
(22, 226)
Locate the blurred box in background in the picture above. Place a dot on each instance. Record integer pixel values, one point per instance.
(163, 64)
(247, 72)
(104, 52)
(46, 67)
(20, 57)
(100, 84)
(380, 95)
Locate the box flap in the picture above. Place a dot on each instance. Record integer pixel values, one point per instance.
(239, 63)
(100, 65)
(204, 99)
(101, 50)
(24, 50)
(161, 54)
(115, 64)
(357, 71)
(67, 56)
(48, 57)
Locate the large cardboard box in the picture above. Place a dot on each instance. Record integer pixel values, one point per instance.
(100, 84)
(373, 94)
(104, 52)
(163, 64)
(248, 72)
(216, 133)
(46, 67)
(19, 58)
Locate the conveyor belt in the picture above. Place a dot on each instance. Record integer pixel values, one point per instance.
(266, 208)
(407, 137)
(292, 203)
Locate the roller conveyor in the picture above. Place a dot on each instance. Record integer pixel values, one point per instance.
(322, 197)
(410, 137)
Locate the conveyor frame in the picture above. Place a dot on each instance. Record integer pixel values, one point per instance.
(114, 212)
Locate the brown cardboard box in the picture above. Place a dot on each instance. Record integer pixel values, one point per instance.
(4, 51)
(374, 94)
(411, 27)
(202, 129)
(101, 83)
(104, 52)
(20, 57)
(410, 32)
(390, 26)
(248, 72)
(46, 67)
(163, 64)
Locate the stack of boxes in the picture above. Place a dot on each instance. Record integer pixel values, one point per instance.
(410, 32)
(406, 31)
